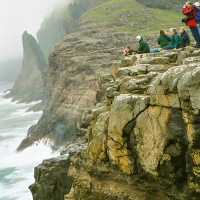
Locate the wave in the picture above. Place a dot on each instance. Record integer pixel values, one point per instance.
(17, 170)
(30, 156)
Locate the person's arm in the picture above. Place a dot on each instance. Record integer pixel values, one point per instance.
(184, 37)
(189, 12)
(168, 38)
(141, 49)
(158, 40)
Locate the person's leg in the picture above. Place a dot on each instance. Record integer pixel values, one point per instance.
(198, 26)
(155, 50)
(168, 47)
(195, 34)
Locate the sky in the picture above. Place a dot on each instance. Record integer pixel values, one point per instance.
(17, 16)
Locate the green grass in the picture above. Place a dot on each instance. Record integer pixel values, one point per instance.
(140, 20)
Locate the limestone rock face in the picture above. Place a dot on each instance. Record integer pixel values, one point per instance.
(143, 135)
(97, 147)
(29, 85)
(125, 109)
(146, 132)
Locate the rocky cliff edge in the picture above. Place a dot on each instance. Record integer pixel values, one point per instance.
(143, 138)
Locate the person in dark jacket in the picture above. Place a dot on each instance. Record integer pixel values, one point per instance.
(189, 10)
(184, 37)
(164, 39)
(176, 40)
(144, 47)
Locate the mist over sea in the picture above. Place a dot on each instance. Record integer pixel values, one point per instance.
(16, 169)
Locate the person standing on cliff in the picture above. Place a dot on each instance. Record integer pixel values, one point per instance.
(190, 11)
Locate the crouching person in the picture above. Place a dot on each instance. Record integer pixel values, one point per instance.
(176, 40)
(144, 47)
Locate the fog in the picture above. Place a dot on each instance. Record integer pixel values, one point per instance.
(16, 16)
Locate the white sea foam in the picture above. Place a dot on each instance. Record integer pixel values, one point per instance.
(16, 169)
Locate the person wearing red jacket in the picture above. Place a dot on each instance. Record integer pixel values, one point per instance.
(190, 11)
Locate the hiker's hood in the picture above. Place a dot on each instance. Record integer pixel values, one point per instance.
(139, 38)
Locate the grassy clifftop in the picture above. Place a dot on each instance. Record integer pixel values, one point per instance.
(131, 16)
(121, 15)
(169, 4)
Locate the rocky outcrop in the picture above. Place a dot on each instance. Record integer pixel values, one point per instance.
(29, 85)
(144, 138)
(52, 181)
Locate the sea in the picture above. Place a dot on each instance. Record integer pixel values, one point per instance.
(17, 169)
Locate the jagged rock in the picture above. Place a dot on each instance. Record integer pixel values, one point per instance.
(178, 87)
(51, 179)
(125, 108)
(97, 146)
(146, 144)
(128, 61)
(165, 131)
(158, 139)
(29, 85)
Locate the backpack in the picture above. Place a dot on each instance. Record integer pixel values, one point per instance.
(197, 16)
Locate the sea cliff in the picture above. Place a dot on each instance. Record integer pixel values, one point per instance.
(143, 136)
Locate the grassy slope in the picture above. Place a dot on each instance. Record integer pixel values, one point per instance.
(139, 20)
(169, 4)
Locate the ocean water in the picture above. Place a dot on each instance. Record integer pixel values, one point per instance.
(16, 169)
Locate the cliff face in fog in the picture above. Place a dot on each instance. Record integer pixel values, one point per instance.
(29, 85)
(139, 117)
(61, 22)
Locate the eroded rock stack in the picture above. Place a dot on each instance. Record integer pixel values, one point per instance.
(29, 85)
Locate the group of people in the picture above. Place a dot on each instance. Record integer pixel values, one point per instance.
(174, 40)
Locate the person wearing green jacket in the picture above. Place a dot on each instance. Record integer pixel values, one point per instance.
(144, 47)
(164, 39)
(176, 40)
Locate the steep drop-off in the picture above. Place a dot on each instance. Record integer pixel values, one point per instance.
(143, 138)
(81, 61)
(140, 115)
(29, 85)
